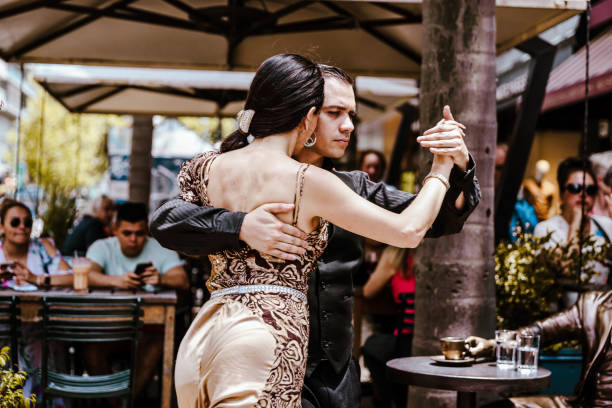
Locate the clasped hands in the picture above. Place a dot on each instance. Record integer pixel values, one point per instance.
(446, 139)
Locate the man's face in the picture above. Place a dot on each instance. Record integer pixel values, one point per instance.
(132, 237)
(372, 165)
(335, 123)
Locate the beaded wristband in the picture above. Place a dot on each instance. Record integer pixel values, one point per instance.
(438, 176)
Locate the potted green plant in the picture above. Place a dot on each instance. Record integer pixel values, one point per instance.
(531, 275)
(11, 385)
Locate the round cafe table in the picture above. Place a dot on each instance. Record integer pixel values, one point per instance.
(466, 380)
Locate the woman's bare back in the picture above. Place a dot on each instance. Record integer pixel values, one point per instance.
(244, 179)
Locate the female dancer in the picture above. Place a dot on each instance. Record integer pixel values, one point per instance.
(247, 346)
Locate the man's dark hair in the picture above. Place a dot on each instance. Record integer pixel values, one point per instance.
(570, 165)
(131, 212)
(329, 71)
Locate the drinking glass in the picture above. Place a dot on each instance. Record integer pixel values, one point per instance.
(528, 351)
(80, 270)
(505, 348)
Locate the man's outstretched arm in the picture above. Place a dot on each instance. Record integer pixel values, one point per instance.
(200, 230)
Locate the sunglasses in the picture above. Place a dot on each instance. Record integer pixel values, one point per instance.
(575, 188)
(27, 222)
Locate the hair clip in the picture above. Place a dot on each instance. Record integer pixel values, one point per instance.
(244, 118)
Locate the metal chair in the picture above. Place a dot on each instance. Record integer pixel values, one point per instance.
(89, 320)
(10, 322)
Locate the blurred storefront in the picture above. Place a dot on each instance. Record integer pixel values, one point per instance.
(10, 97)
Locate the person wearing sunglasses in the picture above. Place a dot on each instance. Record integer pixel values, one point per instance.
(578, 188)
(27, 262)
(32, 261)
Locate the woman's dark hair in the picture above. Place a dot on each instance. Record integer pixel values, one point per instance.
(9, 203)
(282, 92)
(570, 165)
(381, 159)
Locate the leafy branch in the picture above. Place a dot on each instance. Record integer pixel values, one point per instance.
(530, 275)
(11, 385)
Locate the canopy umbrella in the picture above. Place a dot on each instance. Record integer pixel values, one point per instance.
(88, 89)
(363, 37)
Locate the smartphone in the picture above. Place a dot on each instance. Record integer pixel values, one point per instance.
(140, 268)
(6, 270)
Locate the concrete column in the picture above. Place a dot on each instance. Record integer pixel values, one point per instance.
(141, 159)
(455, 275)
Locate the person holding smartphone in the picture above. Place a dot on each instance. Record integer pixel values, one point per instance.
(130, 260)
(29, 264)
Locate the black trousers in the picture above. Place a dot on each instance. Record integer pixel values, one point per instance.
(377, 350)
(326, 389)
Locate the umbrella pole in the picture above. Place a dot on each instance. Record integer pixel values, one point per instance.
(18, 137)
(585, 140)
(41, 135)
(78, 152)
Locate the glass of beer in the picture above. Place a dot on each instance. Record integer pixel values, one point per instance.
(80, 270)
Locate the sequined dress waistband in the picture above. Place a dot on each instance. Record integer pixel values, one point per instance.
(238, 290)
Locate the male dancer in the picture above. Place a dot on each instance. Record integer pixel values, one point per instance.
(332, 377)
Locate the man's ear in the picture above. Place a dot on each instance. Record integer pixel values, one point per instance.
(311, 120)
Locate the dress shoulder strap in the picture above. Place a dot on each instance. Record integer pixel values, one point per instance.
(299, 186)
(193, 178)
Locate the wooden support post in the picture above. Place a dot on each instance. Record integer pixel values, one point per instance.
(141, 159)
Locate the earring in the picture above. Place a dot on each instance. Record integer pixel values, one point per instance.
(311, 141)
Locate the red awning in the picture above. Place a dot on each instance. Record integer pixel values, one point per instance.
(566, 83)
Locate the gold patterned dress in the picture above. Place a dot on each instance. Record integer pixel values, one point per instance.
(247, 349)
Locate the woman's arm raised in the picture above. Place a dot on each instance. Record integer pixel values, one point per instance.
(325, 196)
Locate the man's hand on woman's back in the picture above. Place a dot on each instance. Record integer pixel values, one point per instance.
(263, 231)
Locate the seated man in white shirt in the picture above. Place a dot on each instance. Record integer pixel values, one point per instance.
(114, 264)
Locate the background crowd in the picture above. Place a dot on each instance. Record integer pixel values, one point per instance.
(115, 237)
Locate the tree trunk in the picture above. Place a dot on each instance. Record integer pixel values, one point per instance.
(455, 286)
(141, 159)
